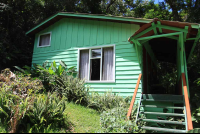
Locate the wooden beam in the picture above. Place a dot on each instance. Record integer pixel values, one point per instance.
(192, 39)
(159, 24)
(150, 52)
(194, 45)
(172, 37)
(182, 51)
(172, 28)
(159, 36)
(154, 28)
(140, 34)
(185, 33)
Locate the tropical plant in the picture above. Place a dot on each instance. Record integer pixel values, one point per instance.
(107, 100)
(196, 130)
(22, 105)
(72, 88)
(46, 111)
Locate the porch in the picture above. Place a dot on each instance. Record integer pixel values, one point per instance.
(171, 43)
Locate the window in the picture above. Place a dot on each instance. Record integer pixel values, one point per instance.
(44, 40)
(97, 64)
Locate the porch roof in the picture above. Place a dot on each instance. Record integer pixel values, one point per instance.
(165, 48)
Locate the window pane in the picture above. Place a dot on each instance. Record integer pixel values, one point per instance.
(84, 64)
(107, 68)
(95, 69)
(96, 53)
(44, 40)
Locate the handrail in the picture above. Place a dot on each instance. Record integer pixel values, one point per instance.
(187, 103)
(133, 99)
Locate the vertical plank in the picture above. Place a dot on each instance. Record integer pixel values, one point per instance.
(94, 33)
(69, 33)
(57, 33)
(100, 34)
(109, 29)
(75, 32)
(112, 36)
(80, 33)
(90, 25)
(128, 31)
(105, 32)
(86, 33)
(116, 32)
(35, 49)
(124, 32)
(120, 32)
(63, 34)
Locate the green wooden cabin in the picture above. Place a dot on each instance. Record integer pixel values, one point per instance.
(111, 52)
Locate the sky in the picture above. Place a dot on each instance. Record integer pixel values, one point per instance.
(156, 1)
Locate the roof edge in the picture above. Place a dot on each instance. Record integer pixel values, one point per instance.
(93, 16)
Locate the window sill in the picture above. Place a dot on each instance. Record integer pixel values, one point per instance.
(44, 46)
(100, 82)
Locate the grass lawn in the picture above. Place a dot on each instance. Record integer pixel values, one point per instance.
(84, 120)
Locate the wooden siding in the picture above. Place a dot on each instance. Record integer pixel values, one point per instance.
(70, 34)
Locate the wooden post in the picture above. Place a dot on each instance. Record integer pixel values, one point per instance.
(187, 103)
(133, 99)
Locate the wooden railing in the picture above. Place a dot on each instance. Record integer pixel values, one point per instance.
(187, 103)
(133, 99)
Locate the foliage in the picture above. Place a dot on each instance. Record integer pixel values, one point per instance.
(46, 111)
(196, 130)
(21, 105)
(107, 100)
(19, 85)
(61, 80)
(115, 121)
(73, 88)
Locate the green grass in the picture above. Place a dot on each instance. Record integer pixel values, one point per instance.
(83, 120)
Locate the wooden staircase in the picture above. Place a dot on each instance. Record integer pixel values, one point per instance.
(162, 110)
(158, 108)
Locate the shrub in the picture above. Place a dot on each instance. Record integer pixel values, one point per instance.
(107, 100)
(115, 121)
(61, 80)
(21, 105)
(46, 110)
(19, 85)
(72, 88)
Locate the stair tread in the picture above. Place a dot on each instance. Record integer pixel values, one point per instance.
(163, 97)
(164, 129)
(162, 121)
(162, 100)
(155, 106)
(157, 113)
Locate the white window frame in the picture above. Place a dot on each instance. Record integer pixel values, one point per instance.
(97, 47)
(39, 40)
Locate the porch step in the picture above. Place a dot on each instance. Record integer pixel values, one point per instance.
(163, 129)
(155, 106)
(164, 97)
(166, 114)
(161, 100)
(162, 121)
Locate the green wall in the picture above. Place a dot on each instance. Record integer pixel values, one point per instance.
(70, 34)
